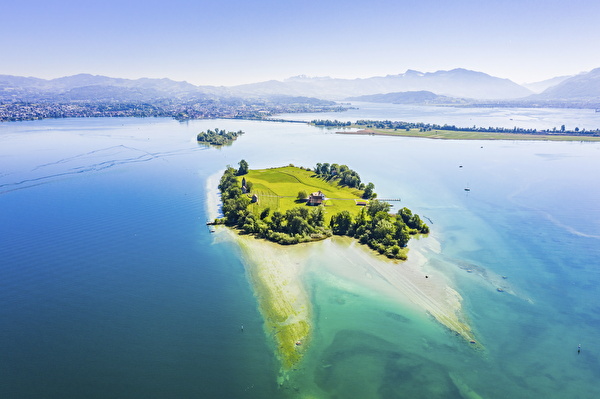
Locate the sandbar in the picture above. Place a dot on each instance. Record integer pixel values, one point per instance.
(408, 281)
(275, 272)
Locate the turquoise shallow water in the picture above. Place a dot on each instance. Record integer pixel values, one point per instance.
(111, 285)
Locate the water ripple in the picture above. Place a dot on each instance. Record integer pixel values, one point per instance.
(92, 161)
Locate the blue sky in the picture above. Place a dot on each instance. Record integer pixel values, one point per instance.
(232, 42)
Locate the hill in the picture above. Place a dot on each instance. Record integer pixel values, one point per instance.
(582, 87)
(538, 87)
(422, 97)
(85, 87)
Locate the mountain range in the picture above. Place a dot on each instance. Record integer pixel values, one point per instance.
(453, 86)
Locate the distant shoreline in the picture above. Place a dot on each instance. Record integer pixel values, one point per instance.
(466, 135)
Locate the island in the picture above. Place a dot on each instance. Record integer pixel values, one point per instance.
(218, 137)
(282, 217)
(291, 205)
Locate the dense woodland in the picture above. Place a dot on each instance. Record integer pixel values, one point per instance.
(375, 226)
(218, 137)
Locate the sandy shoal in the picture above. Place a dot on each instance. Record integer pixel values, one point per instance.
(275, 272)
(411, 280)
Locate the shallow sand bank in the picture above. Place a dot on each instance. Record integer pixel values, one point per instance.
(275, 272)
(408, 281)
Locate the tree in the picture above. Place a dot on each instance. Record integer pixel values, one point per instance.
(383, 228)
(243, 168)
(402, 236)
(265, 212)
(368, 193)
(302, 195)
(341, 222)
(277, 221)
(377, 206)
(405, 214)
(317, 216)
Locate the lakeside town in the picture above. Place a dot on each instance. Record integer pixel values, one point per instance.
(23, 111)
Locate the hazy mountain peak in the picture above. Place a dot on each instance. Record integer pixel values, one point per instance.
(540, 86)
(584, 87)
(300, 78)
(412, 72)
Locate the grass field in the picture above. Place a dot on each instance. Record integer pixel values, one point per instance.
(278, 188)
(464, 135)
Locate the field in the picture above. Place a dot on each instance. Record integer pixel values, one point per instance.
(465, 135)
(278, 188)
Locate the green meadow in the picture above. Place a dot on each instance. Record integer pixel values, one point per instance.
(277, 189)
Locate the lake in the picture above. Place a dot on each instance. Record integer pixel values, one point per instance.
(112, 286)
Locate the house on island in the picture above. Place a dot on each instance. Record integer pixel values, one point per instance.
(316, 198)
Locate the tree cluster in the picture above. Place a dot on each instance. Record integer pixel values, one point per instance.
(330, 123)
(382, 231)
(218, 137)
(345, 177)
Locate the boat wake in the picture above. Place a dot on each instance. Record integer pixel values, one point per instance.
(89, 162)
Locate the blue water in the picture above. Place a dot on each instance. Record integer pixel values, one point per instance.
(112, 286)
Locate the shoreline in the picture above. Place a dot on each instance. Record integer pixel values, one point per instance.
(213, 196)
(468, 135)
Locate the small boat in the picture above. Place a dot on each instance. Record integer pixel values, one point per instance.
(467, 189)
